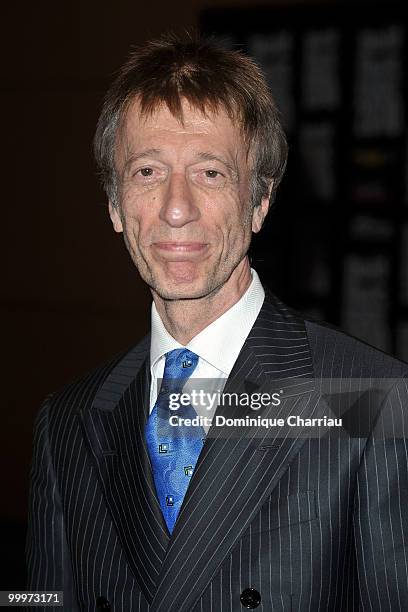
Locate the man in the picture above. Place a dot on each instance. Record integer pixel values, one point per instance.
(284, 517)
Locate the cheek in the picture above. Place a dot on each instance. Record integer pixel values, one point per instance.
(230, 210)
(233, 226)
(134, 217)
(131, 230)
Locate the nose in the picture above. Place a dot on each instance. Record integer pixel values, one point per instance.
(178, 207)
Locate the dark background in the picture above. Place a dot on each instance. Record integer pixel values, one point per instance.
(333, 246)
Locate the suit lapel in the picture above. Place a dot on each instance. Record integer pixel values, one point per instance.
(238, 468)
(114, 429)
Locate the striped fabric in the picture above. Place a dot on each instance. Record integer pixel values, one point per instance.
(310, 523)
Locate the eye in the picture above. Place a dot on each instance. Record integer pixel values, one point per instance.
(212, 174)
(146, 171)
(209, 177)
(149, 176)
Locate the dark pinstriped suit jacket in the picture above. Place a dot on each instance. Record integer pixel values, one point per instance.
(310, 523)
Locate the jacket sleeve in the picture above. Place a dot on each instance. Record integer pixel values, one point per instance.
(380, 519)
(48, 559)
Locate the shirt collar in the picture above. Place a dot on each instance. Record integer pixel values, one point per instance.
(229, 330)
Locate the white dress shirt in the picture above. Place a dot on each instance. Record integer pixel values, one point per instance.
(217, 346)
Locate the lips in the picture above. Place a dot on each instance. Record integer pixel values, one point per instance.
(180, 247)
(179, 251)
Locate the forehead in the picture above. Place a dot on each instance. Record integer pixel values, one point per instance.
(192, 124)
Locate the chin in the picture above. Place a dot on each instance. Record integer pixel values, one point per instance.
(180, 292)
(180, 281)
(181, 289)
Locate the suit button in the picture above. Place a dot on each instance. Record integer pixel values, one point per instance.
(103, 604)
(250, 598)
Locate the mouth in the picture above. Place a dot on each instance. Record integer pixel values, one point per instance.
(180, 247)
(180, 251)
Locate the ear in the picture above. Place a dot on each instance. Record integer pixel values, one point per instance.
(259, 213)
(115, 217)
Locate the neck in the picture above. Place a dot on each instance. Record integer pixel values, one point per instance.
(184, 319)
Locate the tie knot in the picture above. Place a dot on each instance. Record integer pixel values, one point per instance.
(180, 363)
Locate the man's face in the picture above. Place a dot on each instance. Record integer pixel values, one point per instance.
(184, 204)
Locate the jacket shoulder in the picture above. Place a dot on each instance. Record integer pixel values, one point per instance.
(100, 383)
(337, 353)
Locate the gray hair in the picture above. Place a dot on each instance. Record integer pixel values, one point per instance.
(169, 70)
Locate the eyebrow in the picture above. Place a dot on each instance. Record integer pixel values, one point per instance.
(135, 156)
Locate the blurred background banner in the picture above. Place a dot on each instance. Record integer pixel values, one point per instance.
(335, 245)
(337, 239)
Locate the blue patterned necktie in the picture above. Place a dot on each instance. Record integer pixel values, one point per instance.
(173, 450)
